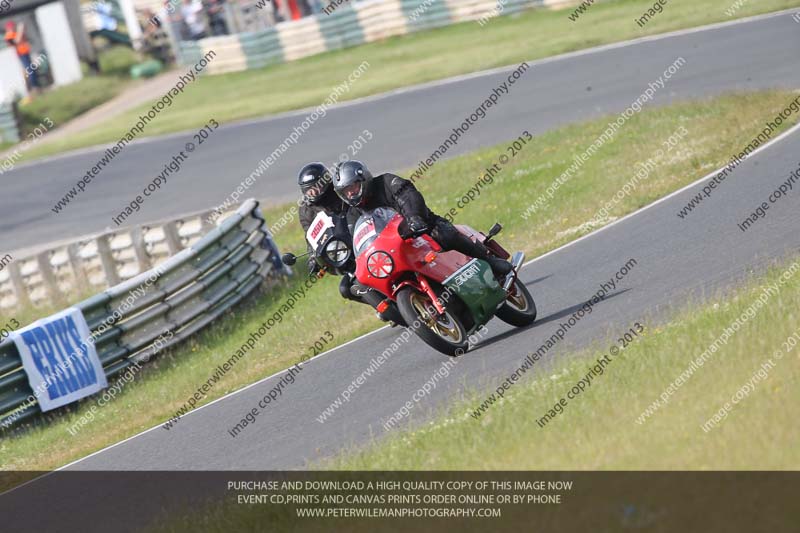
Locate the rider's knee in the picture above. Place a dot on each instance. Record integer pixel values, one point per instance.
(344, 288)
(444, 233)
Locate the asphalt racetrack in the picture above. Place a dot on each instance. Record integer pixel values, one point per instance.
(675, 259)
(407, 126)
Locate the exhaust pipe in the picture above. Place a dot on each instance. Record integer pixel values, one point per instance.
(516, 261)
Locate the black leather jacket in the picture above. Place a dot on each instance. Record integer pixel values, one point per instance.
(389, 190)
(329, 202)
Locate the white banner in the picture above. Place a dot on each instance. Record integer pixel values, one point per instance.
(62, 365)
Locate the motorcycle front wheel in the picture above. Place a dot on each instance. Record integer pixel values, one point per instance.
(519, 309)
(444, 333)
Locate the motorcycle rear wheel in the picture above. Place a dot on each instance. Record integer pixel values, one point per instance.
(445, 334)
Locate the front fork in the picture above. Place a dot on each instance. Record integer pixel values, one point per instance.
(422, 285)
(516, 261)
(427, 289)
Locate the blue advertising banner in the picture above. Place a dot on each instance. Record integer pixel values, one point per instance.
(60, 359)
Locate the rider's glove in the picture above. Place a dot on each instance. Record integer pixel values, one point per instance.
(313, 266)
(417, 225)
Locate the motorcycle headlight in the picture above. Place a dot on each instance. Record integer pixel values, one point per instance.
(380, 264)
(337, 252)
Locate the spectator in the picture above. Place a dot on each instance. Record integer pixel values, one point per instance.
(152, 22)
(15, 37)
(105, 16)
(171, 11)
(215, 9)
(192, 11)
(313, 6)
(288, 9)
(155, 39)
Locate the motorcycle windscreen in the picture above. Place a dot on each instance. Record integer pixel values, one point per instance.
(369, 226)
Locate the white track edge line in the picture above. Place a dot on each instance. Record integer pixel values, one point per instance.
(777, 139)
(780, 137)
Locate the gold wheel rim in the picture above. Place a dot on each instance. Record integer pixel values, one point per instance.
(444, 325)
(517, 299)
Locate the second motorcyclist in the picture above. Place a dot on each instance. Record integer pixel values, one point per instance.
(315, 182)
(318, 195)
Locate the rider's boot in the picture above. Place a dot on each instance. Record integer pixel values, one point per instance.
(385, 311)
(500, 267)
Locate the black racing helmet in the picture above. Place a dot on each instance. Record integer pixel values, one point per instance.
(314, 180)
(352, 182)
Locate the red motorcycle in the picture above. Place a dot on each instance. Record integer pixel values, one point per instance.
(443, 296)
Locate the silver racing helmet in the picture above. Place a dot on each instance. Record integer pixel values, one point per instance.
(352, 181)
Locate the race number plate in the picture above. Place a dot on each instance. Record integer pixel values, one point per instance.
(318, 227)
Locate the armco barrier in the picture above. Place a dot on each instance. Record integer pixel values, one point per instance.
(91, 263)
(350, 24)
(180, 296)
(9, 128)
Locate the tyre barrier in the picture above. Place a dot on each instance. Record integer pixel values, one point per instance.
(350, 24)
(179, 297)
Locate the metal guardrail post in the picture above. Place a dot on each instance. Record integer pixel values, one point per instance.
(139, 249)
(172, 237)
(107, 259)
(76, 265)
(48, 276)
(20, 290)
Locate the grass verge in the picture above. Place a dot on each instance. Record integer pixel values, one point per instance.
(716, 128)
(62, 104)
(65, 103)
(406, 60)
(757, 372)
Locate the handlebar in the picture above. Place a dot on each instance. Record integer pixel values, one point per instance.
(408, 234)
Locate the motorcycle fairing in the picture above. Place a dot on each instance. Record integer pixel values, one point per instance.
(475, 285)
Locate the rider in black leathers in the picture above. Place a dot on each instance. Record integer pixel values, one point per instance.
(318, 195)
(354, 184)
